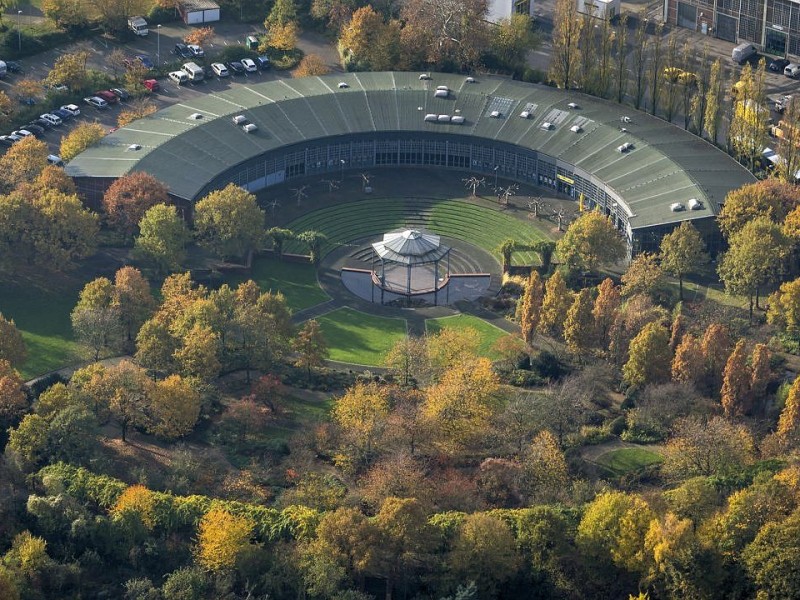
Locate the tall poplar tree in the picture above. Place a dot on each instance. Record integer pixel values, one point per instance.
(556, 302)
(714, 96)
(531, 307)
(735, 391)
(567, 27)
(579, 323)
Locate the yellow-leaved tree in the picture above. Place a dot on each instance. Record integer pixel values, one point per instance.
(176, 404)
(361, 414)
(80, 138)
(136, 501)
(221, 537)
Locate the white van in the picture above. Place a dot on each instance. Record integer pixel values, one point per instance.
(179, 77)
(3, 68)
(193, 71)
(743, 52)
(792, 70)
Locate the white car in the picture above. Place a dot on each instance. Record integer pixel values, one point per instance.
(196, 50)
(96, 101)
(22, 133)
(220, 70)
(178, 77)
(249, 65)
(55, 160)
(71, 109)
(54, 120)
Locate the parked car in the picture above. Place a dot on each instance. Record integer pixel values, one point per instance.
(145, 60)
(14, 137)
(777, 65)
(151, 84)
(55, 160)
(792, 70)
(263, 62)
(236, 67)
(96, 101)
(43, 123)
(120, 93)
(249, 65)
(13, 66)
(34, 128)
(182, 50)
(108, 96)
(54, 120)
(22, 133)
(178, 77)
(72, 109)
(220, 70)
(6, 140)
(197, 51)
(62, 114)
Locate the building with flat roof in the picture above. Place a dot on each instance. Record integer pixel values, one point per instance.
(503, 9)
(646, 174)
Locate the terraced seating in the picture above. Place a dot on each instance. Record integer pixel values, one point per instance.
(484, 227)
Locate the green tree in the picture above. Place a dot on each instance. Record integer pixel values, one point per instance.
(198, 354)
(176, 407)
(713, 110)
(314, 240)
(279, 237)
(96, 319)
(649, 357)
(72, 435)
(27, 444)
(311, 346)
(579, 323)
(484, 551)
(755, 258)
(12, 345)
(770, 558)
(512, 39)
(162, 238)
(506, 251)
(229, 222)
(784, 308)
(788, 431)
(155, 347)
(682, 251)
(282, 12)
(589, 242)
(13, 400)
(555, 304)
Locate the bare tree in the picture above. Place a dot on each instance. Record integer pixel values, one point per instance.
(656, 59)
(621, 47)
(566, 35)
(507, 192)
(332, 185)
(672, 76)
(789, 141)
(535, 206)
(699, 100)
(273, 205)
(473, 183)
(640, 46)
(365, 177)
(300, 194)
(606, 45)
(560, 215)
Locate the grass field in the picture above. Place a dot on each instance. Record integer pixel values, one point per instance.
(485, 227)
(297, 281)
(359, 338)
(42, 315)
(627, 460)
(488, 333)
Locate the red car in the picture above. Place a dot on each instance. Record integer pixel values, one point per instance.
(108, 96)
(152, 85)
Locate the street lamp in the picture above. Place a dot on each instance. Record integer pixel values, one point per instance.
(158, 44)
(496, 167)
(341, 161)
(19, 33)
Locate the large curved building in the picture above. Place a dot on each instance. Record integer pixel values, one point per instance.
(645, 173)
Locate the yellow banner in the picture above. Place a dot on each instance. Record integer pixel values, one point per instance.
(565, 179)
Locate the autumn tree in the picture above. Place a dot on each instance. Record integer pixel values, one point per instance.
(197, 354)
(707, 447)
(407, 359)
(606, 305)
(784, 308)
(512, 39)
(162, 238)
(199, 35)
(69, 69)
(579, 323)
(361, 414)
(13, 400)
(589, 242)
(311, 346)
(136, 501)
(769, 198)
(12, 345)
(789, 143)
(82, 136)
(530, 307)
(688, 365)
(282, 12)
(137, 108)
(546, 474)
(484, 551)
(229, 222)
(713, 109)
(129, 390)
(367, 42)
(643, 276)
(176, 407)
(761, 374)
(567, 30)
(641, 45)
(555, 304)
(128, 198)
(717, 346)
(769, 558)
(23, 162)
(749, 122)
(96, 319)
(682, 251)
(448, 348)
(221, 538)
(754, 259)
(156, 347)
(311, 65)
(650, 357)
(736, 383)
(788, 430)
(64, 13)
(460, 406)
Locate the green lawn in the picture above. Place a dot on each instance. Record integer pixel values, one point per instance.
(297, 281)
(627, 460)
(488, 333)
(359, 338)
(42, 315)
(482, 226)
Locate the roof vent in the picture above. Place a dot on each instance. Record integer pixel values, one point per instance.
(134, 147)
(443, 88)
(249, 128)
(457, 119)
(623, 130)
(575, 129)
(342, 85)
(424, 77)
(625, 119)
(441, 93)
(525, 114)
(695, 204)
(573, 106)
(547, 126)
(196, 116)
(625, 147)
(431, 117)
(470, 80)
(443, 118)
(239, 120)
(495, 114)
(676, 207)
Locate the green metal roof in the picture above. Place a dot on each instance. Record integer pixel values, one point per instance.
(666, 164)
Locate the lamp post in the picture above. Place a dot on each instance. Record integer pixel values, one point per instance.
(341, 162)
(496, 167)
(19, 32)
(158, 44)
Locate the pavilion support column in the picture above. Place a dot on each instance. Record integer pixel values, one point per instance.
(408, 286)
(436, 283)
(372, 272)
(383, 279)
(447, 292)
